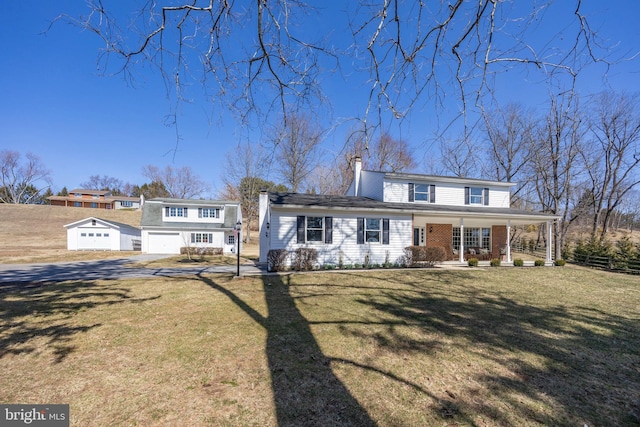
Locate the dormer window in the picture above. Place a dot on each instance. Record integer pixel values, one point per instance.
(425, 193)
(476, 196)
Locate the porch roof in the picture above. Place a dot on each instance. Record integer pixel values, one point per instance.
(433, 212)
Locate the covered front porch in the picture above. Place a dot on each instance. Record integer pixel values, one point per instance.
(479, 236)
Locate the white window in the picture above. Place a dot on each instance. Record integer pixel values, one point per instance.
(175, 212)
(475, 195)
(473, 238)
(421, 192)
(201, 238)
(372, 230)
(208, 212)
(231, 239)
(315, 229)
(126, 204)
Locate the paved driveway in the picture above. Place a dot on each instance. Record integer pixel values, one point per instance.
(106, 269)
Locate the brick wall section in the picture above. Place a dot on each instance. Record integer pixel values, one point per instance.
(498, 239)
(440, 235)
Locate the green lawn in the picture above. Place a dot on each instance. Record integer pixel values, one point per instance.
(499, 346)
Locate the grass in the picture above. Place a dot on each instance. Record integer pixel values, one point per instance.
(557, 346)
(36, 233)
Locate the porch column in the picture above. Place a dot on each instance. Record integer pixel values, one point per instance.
(508, 240)
(549, 242)
(461, 251)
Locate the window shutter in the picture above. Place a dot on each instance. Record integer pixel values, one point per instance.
(328, 229)
(199, 212)
(185, 213)
(385, 231)
(411, 192)
(361, 231)
(486, 197)
(466, 195)
(301, 233)
(432, 193)
(166, 211)
(193, 237)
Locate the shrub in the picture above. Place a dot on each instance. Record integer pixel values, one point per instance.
(422, 255)
(539, 263)
(518, 263)
(304, 258)
(473, 262)
(191, 250)
(276, 259)
(560, 263)
(495, 262)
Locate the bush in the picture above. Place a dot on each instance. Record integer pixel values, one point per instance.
(560, 263)
(473, 262)
(423, 255)
(518, 263)
(539, 263)
(192, 250)
(276, 259)
(304, 258)
(495, 262)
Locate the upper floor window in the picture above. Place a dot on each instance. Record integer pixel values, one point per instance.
(422, 193)
(315, 229)
(208, 212)
(77, 194)
(476, 196)
(175, 211)
(95, 196)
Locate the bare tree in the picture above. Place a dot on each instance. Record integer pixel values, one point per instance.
(98, 182)
(245, 169)
(297, 149)
(614, 157)
(555, 163)
(180, 183)
(391, 155)
(459, 158)
(510, 134)
(262, 57)
(22, 182)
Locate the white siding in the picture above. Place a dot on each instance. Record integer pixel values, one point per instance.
(192, 214)
(449, 194)
(344, 247)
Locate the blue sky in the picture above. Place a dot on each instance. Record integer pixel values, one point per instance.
(56, 104)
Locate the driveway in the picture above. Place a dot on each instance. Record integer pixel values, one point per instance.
(107, 269)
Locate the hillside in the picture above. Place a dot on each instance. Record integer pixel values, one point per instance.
(37, 231)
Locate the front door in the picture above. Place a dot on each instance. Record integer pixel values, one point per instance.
(418, 236)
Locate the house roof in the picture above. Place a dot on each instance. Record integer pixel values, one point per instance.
(112, 224)
(189, 202)
(86, 191)
(312, 201)
(451, 179)
(152, 215)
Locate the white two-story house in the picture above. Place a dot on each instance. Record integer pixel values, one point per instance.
(168, 225)
(383, 212)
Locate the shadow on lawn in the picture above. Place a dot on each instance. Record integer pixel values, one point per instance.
(30, 311)
(305, 389)
(591, 358)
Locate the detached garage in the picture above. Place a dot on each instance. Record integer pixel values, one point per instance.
(95, 234)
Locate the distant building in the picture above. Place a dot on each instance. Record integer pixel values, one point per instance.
(96, 199)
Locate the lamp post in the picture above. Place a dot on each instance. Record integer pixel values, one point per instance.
(238, 235)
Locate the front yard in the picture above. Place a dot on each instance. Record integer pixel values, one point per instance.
(550, 346)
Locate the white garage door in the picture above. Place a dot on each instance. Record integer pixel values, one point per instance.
(165, 243)
(94, 239)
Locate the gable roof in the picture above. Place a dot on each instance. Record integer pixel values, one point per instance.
(359, 203)
(449, 179)
(112, 224)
